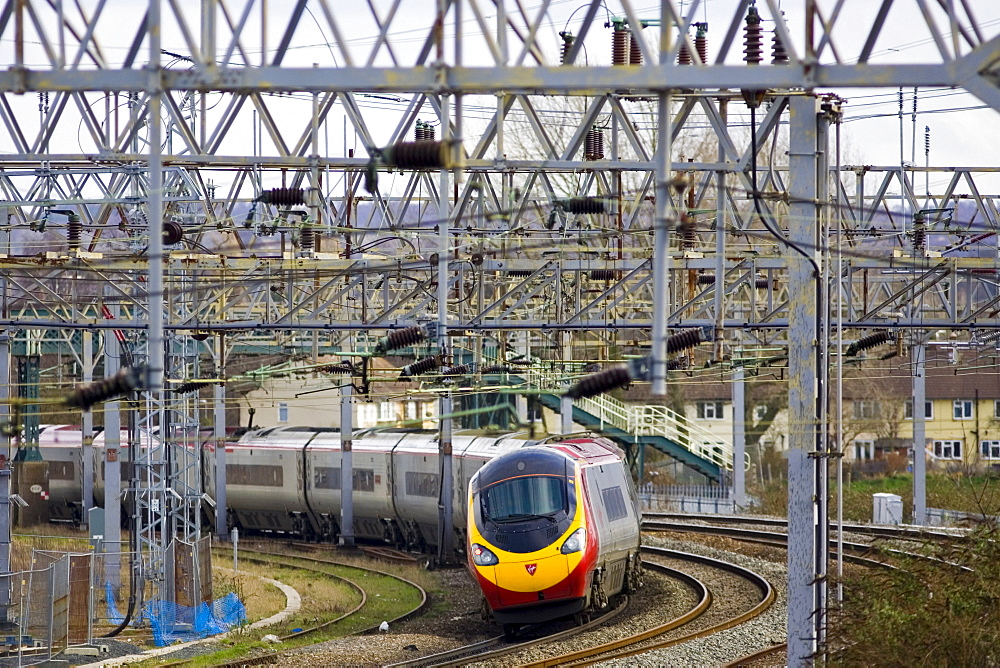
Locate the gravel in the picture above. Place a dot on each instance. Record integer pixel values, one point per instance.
(721, 648)
(454, 620)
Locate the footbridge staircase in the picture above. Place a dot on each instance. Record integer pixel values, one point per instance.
(633, 426)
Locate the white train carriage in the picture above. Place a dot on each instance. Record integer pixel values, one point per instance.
(59, 445)
(264, 474)
(415, 478)
(371, 484)
(416, 482)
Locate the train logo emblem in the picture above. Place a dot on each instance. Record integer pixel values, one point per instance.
(531, 568)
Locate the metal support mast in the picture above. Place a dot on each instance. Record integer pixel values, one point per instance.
(806, 515)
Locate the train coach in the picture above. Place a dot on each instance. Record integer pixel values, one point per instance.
(287, 480)
(553, 531)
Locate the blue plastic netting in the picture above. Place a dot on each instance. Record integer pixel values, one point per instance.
(172, 622)
(114, 616)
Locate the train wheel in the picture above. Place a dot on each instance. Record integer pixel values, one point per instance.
(581, 618)
(510, 631)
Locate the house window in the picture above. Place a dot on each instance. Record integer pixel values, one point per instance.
(948, 449)
(282, 412)
(386, 411)
(996, 408)
(866, 409)
(928, 410)
(990, 449)
(961, 409)
(709, 410)
(864, 449)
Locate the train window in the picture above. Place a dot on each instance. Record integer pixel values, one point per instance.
(328, 477)
(364, 480)
(529, 495)
(614, 503)
(421, 484)
(260, 475)
(60, 470)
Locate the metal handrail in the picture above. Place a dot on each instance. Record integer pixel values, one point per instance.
(651, 420)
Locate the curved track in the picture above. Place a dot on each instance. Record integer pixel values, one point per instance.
(496, 647)
(651, 638)
(772, 653)
(881, 531)
(853, 551)
(772, 538)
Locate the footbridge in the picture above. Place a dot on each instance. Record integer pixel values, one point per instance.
(635, 425)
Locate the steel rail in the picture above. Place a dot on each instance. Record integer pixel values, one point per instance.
(749, 659)
(273, 657)
(779, 539)
(297, 634)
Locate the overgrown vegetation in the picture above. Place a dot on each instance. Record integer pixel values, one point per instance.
(924, 613)
(979, 494)
(940, 612)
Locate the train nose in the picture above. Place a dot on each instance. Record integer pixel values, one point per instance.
(533, 579)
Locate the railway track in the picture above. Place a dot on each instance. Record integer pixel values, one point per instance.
(712, 614)
(320, 566)
(854, 552)
(495, 648)
(880, 531)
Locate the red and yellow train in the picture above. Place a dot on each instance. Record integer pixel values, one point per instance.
(553, 531)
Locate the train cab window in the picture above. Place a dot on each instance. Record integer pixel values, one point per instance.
(421, 484)
(254, 474)
(614, 503)
(516, 498)
(60, 470)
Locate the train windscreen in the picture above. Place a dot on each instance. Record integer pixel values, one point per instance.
(525, 497)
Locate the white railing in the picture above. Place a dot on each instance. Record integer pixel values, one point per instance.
(646, 420)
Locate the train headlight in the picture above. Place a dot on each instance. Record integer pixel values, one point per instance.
(482, 556)
(575, 542)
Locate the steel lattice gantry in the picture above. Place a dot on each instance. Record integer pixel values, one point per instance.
(568, 169)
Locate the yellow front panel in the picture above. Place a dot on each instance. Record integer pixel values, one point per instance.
(549, 571)
(551, 566)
